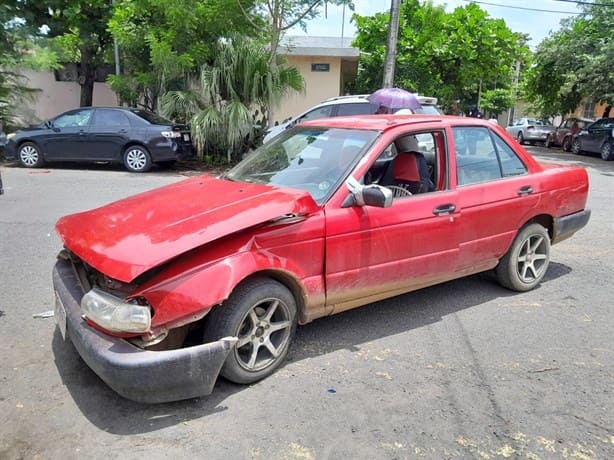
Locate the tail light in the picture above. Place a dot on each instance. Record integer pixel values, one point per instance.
(171, 134)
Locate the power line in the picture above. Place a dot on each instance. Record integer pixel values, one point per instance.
(522, 7)
(578, 2)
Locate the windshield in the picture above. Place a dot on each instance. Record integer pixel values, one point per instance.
(313, 159)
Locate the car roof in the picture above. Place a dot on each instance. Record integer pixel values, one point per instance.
(360, 98)
(385, 122)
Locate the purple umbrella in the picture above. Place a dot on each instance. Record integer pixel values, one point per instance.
(395, 98)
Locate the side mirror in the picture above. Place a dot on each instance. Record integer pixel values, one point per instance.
(367, 195)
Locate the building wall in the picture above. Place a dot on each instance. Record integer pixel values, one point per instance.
(53, 97)
(318, 85)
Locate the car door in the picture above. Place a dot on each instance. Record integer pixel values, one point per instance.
(495, 194)
(373, 253)
(596, 134)
(64, 140)
(108, 134)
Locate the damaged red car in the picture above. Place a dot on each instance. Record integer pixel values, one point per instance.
(162, 292)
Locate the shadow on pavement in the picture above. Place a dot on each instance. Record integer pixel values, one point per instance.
(112, 413)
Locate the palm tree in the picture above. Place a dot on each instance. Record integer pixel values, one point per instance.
(229, 108)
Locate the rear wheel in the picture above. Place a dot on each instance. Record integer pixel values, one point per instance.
(548, 142)
(607, 153)
(137, 159)
(30, 155)
(525, 264)
(520, 138)
(261, 313)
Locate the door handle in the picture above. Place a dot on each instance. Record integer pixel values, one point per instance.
(81, 132)
(444, 209)
(123, 131)
(525, 190)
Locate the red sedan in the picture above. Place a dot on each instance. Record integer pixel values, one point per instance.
(163, 291)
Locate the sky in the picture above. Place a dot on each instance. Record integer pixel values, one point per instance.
(537, 24)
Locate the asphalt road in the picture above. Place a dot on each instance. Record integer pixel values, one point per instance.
(461, 370)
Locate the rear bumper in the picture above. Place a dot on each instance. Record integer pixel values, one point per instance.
(566, 226)
(134, 373)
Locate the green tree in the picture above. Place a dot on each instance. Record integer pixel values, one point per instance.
(228, 109)
(448, 55)
(163, 43)
(496, 101)
(14, 47)
(79, 30)
(279, 16)
(575, 63)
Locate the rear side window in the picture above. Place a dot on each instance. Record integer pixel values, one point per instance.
(482, 156)
(108, 117)
(356, 109)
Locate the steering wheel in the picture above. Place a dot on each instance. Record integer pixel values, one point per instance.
(398, 192)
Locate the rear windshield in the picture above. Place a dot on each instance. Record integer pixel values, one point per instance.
(151, 117)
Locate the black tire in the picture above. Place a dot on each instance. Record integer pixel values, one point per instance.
(567, 144)
(607, 152)
(548, 142)
(520, 138)
(262, 313)
(137, 159)
(526, 262)
(576, 147)
(30, 155)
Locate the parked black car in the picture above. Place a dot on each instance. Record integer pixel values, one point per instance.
(597, 137)
(135, 137)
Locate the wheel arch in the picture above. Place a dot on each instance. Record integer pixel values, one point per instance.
(289, 282)
(20, 142)
(132, 143)
(545, 220)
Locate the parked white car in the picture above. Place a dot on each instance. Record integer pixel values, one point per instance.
(530, 130)
(346, 106)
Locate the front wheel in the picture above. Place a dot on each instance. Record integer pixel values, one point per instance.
(607, 152)
(526, 262)
(576, 148)
(30, 155)
(137, 159)
(261, 313)
(567, 144)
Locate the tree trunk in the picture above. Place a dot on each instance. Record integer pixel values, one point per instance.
(606, 111)
(87, 77)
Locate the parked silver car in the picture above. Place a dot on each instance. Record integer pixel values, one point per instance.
(530, 130)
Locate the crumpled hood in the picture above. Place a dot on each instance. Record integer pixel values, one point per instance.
(128, 237)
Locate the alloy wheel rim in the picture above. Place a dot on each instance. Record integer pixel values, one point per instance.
(605, 151)
(532, 258)
(136, 159)
(28, 155)
(263, 335)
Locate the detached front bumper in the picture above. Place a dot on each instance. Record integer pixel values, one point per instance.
(134, 373)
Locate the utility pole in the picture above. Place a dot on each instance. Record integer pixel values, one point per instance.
(391, 46)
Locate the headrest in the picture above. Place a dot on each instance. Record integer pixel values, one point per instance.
(407, 144)
(406, 168)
